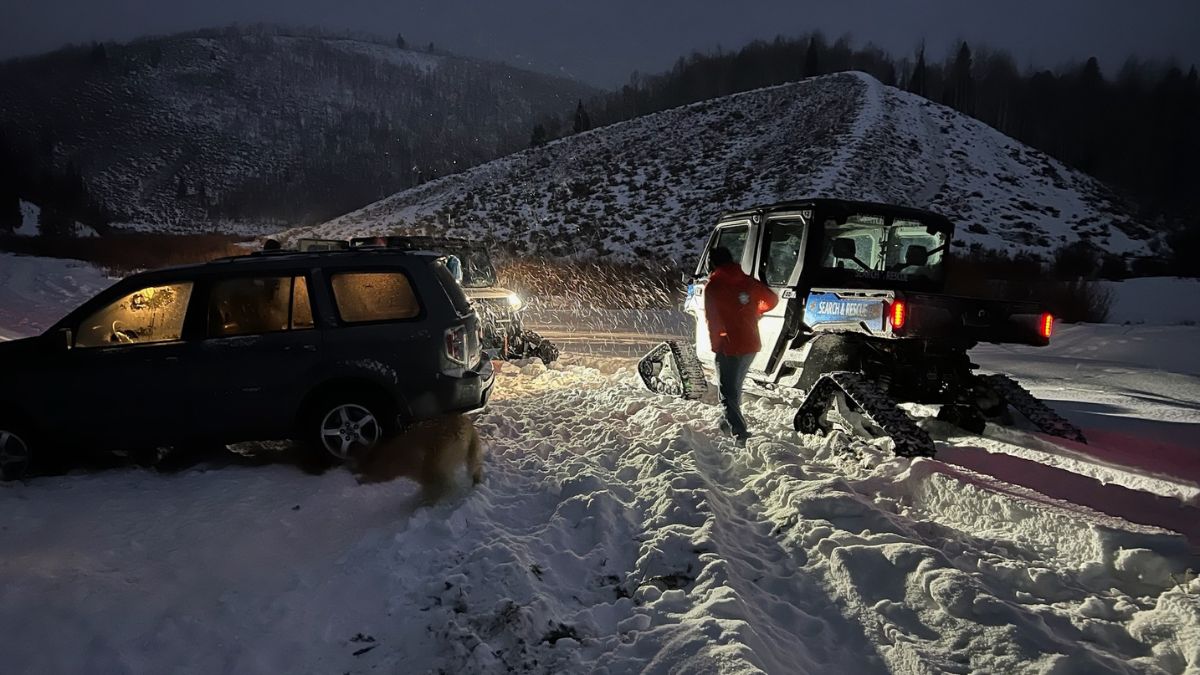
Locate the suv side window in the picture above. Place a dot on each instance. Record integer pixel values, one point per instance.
(374, 296)
(254, 305)
(151, 314)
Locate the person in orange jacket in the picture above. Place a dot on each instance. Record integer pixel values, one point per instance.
(733, 303)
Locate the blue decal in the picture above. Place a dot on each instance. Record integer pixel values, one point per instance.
(831, 308)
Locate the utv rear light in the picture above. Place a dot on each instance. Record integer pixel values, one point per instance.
(456, 345)
(1046, 325)
(898, 314)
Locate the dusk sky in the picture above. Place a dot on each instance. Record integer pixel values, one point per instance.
(602, 42)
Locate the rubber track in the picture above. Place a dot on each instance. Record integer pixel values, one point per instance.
(1037, 412)
(687, 373)
(910, 440)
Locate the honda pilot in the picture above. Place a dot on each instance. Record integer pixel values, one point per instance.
(335, 349)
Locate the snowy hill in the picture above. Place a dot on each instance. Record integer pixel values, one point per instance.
(245, 125)
(651, 188)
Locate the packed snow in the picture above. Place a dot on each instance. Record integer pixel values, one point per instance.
(30, 214)
(1155, 300)
(617, 532)
(37, 292)
(651, 188)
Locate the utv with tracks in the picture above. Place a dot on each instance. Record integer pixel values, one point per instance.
(863, 323)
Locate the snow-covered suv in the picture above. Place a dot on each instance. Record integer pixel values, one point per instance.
(333, 348)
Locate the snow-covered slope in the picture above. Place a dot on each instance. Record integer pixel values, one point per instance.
(651, 187)
(176, 132)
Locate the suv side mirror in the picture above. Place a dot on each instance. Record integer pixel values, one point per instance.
(61, 339)
(844, 248)
(916, 256)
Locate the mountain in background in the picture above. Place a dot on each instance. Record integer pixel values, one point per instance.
(242, 126)
(651, 188)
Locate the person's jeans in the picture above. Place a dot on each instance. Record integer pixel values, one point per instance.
(731, 373)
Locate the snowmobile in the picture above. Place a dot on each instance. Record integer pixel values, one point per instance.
(504, 333)
(862, 324)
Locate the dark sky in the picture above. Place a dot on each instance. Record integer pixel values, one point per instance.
(602, 41)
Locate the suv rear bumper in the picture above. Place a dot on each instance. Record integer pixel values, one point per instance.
(470, 391)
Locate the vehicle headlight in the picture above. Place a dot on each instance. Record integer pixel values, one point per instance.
(514, 302)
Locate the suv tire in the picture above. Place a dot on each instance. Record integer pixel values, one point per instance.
(340, 426)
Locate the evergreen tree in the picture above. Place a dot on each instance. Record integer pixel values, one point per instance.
(962, 88)
(10, 209)
(53, 222)
(400, 41)
(812, 65)
(538, 138)
(1091, 78)
(180, 188)
(582, 121)
(917, 84)
(99, 55)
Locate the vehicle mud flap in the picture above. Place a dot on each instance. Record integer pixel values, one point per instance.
(873, 402)
(672, 368)
(1034, 410)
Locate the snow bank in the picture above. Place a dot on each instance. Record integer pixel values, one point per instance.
(36, 292)
(1155, 300)
(30, 213)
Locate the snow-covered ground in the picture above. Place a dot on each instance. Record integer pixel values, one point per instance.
(1155, 300)
(36, 292)
(616, 532)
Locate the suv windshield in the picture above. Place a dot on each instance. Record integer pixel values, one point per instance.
(866, 246)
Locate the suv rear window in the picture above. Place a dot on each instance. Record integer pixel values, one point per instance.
(374, 296)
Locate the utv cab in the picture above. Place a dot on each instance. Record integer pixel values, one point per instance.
(863, 322)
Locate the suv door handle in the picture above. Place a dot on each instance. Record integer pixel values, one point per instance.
(305, 348)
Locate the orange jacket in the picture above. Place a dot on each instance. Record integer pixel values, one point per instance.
(733, 303)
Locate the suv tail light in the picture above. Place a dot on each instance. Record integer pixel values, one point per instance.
(456, 345)
(898, 314)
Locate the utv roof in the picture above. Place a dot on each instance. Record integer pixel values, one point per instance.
(839, 206)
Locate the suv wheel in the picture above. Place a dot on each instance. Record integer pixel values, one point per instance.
(15, 453)
(346, 426)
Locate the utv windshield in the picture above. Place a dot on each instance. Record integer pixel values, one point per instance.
(476, 267)
(870, 247)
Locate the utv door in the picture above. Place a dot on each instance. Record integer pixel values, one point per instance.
(780, 258)
(734, 236)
